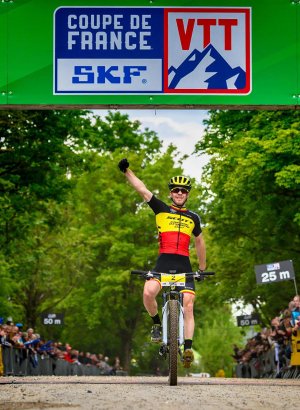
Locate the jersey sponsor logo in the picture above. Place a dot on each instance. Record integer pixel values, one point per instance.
(175, 222)
(140, 50)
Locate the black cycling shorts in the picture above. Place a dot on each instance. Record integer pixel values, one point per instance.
(172, 263)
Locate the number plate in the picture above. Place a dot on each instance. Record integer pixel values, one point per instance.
(173, 280)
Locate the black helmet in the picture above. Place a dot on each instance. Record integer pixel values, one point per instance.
(180, 181)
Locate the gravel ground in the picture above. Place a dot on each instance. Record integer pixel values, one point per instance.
(146, 393)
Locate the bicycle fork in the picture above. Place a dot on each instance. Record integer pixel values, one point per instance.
(165, 322)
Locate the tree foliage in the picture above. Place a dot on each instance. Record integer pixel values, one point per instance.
(35, 158)
(71, 228)
(252, 196)
(220, 333)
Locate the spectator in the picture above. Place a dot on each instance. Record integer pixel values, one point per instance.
(30, 332)
(82, 358)
(117, 364)
(296, 301)
(94, 359)
(75, 356)
(104, 366)
(34, 348)
(88, 359)
(67, 354)
(279, 337)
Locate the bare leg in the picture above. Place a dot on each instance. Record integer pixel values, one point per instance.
(151, 290)
(189, 323)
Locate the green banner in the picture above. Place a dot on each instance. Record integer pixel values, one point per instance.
(164, 54)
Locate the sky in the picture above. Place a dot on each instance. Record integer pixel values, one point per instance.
(182, 128)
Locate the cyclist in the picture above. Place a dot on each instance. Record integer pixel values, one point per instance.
(175, 224)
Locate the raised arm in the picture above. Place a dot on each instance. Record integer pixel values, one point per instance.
(134, 181)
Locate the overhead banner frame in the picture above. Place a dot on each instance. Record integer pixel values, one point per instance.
(143, 54)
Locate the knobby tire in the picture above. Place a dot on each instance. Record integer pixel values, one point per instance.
(173, 341)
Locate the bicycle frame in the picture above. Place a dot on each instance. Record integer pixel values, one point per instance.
(172, 315)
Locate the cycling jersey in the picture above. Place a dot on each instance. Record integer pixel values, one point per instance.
(175, 226)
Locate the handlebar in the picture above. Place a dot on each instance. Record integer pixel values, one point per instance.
(198, 275)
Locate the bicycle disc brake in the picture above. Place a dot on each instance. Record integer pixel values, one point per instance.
(163, 351)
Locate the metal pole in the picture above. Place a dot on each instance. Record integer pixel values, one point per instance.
(295, 286)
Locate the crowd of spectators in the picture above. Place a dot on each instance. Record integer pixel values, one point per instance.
(32, 346)
(278, 338)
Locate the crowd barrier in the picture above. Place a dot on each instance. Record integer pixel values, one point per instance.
(265, 366)
(280, 361)
(17, 362)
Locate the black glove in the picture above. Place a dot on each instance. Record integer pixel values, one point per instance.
(123, 164)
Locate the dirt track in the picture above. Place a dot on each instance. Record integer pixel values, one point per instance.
(146, 393)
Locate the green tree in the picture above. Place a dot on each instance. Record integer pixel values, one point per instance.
(34, 161)
(214, 340)
(42, 155)
(42, 152)
(252, 195)
(116, 132)
(7, 287)
(37, 150)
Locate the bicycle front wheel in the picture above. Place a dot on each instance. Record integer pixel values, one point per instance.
(173, 341)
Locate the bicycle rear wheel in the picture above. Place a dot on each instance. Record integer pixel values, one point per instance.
(173, 341)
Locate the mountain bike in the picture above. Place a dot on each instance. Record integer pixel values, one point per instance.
(172, 314)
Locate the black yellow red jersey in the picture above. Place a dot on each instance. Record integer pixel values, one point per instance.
(175, 227)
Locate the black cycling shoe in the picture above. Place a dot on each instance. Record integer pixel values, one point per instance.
(156, 334)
